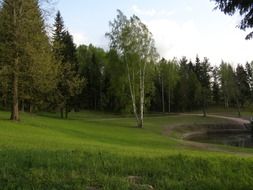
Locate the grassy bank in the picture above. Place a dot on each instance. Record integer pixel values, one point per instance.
(102, 151)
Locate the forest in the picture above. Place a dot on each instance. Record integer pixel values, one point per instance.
(43, 71)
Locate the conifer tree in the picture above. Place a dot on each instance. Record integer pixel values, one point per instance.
(26, 52)
(202, 70)
(70, 83)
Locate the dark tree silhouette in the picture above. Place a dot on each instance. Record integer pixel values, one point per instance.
(243, 7)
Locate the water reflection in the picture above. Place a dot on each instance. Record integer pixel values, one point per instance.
(240, 140)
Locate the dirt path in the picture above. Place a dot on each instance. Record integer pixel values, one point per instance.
(235, 119)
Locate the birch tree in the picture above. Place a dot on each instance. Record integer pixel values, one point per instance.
(134, 43)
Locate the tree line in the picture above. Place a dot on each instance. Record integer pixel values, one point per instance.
(48, 72)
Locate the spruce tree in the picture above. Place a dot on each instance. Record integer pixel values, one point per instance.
(25, 50)
(243, 84)
(69, 81)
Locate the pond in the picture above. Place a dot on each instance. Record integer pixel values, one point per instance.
(240, 140)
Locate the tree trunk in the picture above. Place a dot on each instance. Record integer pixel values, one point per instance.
(132, 92)
(15, 110)
(141, 99)
(204, 111)
(95, 102)
(4, 103)
(204, 103)
(169, 100)
(226, 101)
(238, 108)
(142, 94)
(62, 113)
(163, 106)
(100, 95)
(66, 112)
(31, 108)
(22, 105)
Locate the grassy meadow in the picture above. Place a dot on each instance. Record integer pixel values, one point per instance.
(96, 151)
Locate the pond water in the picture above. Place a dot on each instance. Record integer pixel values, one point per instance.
(240, 140)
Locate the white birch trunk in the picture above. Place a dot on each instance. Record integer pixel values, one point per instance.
(142, 94)
(132, 92)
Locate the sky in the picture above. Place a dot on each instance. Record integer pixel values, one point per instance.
(180, 27)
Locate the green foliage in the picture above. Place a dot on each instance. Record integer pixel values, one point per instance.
(116, 98)
(92, 63)
(242, 84)
(188, 89)
(228, 83)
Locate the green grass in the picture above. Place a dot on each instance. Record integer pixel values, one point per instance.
(102, 150)
(246, 112)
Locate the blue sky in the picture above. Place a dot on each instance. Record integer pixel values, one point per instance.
(180, 28)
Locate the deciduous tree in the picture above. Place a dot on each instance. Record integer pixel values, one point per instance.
(134, 43)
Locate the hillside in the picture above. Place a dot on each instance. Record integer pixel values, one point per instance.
(103, 151)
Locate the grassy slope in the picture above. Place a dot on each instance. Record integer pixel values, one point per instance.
(102, 150)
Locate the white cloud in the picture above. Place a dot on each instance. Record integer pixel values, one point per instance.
(179, 35)
(175, 39)
(189, 8)
(151, 12)
(80, 38)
